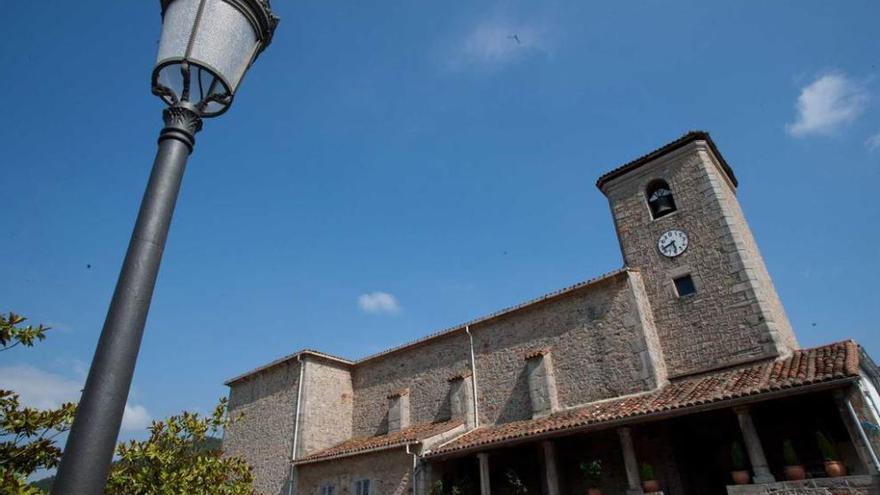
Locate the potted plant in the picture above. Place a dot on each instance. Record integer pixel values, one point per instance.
(740, 473)
(794, 470)
(593, 476)
(649, 481)
(517, 487)
(833, 467)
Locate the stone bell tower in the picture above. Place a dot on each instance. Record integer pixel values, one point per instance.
(679, 222)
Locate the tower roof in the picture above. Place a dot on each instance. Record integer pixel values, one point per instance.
(668, 148)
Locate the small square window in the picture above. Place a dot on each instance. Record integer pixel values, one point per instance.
(685, 286)
(328, 489)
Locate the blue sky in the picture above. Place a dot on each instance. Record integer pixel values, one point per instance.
(391, 169)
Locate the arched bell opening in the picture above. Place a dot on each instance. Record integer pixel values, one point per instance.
(660, 199)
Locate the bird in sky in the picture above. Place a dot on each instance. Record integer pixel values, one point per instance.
(514, 37)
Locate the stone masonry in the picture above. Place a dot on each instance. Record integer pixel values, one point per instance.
(848, 485)
(325, 414)
(736, 316)
(263, 433)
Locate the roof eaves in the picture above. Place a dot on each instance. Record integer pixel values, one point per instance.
(285, 359)
(349, 453)
(665, 149)
(441, 451)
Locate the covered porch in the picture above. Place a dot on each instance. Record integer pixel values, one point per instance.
(692, 449)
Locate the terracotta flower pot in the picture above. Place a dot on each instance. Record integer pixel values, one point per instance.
(740, 477)
(795, 473)
(651, 486)
(594, 491)
(834, 469)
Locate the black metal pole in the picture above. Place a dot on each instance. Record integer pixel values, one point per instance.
(85, 464)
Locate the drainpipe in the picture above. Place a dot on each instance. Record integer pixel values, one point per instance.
(858, 423)
(293, 447)
(467, 330)
(412, 477)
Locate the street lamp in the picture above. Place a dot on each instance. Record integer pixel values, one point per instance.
(205, 49)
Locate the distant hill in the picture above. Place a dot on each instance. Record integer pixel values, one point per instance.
(45, 484)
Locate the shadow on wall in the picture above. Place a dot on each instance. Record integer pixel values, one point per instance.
(518, 405)
(444, 413)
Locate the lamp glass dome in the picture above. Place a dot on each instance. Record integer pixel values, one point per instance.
(205, 49)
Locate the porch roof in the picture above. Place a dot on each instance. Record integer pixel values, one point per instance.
(838, 362)
(412, 435)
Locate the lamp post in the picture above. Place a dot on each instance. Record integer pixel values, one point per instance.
(205, 49)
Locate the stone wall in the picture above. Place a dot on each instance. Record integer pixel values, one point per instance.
(847, 485)
(389, 473)
(424, 369)
(327, 397)
(265, 404)
(736, 315)
(594, 334)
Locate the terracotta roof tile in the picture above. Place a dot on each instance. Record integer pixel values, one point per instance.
(413, 434)
(804, 367)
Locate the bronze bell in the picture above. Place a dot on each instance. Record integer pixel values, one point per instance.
(663, 204)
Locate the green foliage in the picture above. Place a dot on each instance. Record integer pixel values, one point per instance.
(12, 333)
(829, 452)
(177, 458)
(592, 472)
(27, 435)
(515, 483)
(458, 486)
(788, 454)
(737, 456)
(647, 472)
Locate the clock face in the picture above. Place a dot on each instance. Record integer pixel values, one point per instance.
(672, 243)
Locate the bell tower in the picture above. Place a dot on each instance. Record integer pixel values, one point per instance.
(679, 223)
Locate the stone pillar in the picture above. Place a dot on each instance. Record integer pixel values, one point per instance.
(398, 410)
(542, 383)
(551, 475)
(485, 488)
(633, 480)
(461, 398)
(753, 446)
(422, 482)
(854, 428)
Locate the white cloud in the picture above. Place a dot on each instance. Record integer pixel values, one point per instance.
(826, 104)
(379, 302)
(38, 388)
(873, 142)
(45, 390)
(135, 417)
(495, 43)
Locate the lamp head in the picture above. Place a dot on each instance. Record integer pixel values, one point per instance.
(206, 47)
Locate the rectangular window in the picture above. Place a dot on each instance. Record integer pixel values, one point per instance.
(362, 487)
(328, 489)
(685, 286)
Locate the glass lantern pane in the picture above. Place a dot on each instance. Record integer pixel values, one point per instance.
(225, 41)
(177, 28)
(171, 77)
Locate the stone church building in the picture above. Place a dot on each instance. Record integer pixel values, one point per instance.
(678, 369)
